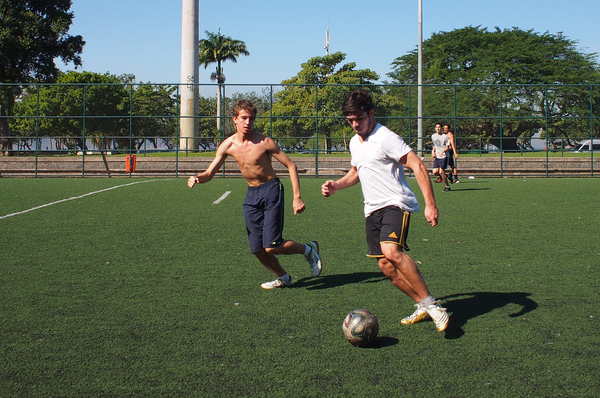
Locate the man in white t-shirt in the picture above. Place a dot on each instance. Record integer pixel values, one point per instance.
(441, 145)
(378, 160)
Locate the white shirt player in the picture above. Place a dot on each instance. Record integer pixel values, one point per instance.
(381, 174)
(440, 143)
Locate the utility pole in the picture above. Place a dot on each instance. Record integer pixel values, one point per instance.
(420, 84)
(189, 92)
(327, 40)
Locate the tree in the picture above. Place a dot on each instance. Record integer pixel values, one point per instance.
(154, 111)
(218, 49)
(61, 107)
(112, 111)
(312, 100)
(33, 34)
(503, 73)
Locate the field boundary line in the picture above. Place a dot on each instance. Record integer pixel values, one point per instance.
(74, 198)
(226, 194)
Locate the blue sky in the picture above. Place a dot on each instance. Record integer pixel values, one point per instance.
(143, 37)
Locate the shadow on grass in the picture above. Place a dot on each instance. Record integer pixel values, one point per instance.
(381, 342)
(329, 281)
(465, 306)
(461, 189)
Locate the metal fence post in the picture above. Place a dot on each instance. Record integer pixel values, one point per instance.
(37, 128)
(83, 130)
(317, 131)
(592, 130)
(501, 132)
(547, 133)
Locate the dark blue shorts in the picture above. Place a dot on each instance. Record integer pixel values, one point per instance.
(440, 163)
(263, 214)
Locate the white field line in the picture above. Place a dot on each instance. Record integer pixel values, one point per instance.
(73, 198)
(216, 202)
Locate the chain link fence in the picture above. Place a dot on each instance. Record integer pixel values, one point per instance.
(134, 129)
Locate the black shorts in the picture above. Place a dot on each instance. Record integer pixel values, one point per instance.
(263, 214)
(450, 157)
(387, 225)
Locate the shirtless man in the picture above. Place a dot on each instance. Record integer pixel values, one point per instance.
(263, 207)
(451, 154)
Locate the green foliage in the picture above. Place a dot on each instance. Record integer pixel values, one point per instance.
(106, 101)
(32, 35)
(218, 49)
(317, 108)
(153, 301)
(521, 61)
(155, 110)
(474, 55)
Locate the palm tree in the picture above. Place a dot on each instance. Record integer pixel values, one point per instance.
(218, 48)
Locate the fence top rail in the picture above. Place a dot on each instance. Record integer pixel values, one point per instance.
(187, 84)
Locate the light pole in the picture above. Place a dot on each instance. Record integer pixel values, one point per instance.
(420, 84)
(189, 91)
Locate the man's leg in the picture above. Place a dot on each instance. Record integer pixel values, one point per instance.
(287, 247)
(401, 269)
(444, 177)
(443, 164)
(309, 250)
(270, 262)
(436, 172)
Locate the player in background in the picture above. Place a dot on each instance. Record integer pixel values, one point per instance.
(264, 203)
(440, 161)
(451, 154)
(378, 160)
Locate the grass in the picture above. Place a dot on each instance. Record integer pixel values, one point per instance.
(148, 289)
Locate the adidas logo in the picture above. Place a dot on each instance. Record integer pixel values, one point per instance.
(393, 235)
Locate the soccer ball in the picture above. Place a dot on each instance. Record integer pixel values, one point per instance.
(360, 327)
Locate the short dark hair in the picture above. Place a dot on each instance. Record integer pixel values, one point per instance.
(244, 105)
(357, 102)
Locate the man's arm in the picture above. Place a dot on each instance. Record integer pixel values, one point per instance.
(284, 159)
(330, 187)
(422, 176)
(215, 165)
(453, 144)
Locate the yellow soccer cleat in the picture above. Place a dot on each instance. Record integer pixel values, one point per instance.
(419, 315)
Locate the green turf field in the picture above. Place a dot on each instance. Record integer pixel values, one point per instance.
(148, 289)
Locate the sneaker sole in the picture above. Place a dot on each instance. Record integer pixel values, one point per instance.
(273, 287)
(443, 327)
(443, 323)
(417, 319)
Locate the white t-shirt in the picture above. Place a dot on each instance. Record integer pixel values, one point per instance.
(440, 143)
(377, 160)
